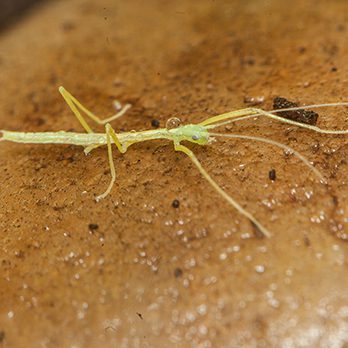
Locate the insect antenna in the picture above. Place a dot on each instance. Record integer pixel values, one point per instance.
(275, 143)
(244, 114)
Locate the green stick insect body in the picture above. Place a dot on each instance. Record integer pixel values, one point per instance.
(195, 133)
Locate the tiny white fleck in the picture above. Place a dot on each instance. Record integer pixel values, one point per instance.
(223, 256)
(319, 255)
(202, 329)
(190, 316)
(259, 268)
(233, 249)
(186, 283)
(289, 272)
(202, 309)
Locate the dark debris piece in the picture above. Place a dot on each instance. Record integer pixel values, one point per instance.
(176, 203)
(272, 174)
(257, 232)
(155, 123)
(301, 115)
(93, 227)
(178, 272)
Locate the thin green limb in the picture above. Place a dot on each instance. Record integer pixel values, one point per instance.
(115, 138)
(275, 143)
(70, 101)
(111, 164)
(110, 135)
(75, 105)
(221, 192)
(90, 148)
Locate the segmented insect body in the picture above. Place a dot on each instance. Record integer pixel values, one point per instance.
(195, 133)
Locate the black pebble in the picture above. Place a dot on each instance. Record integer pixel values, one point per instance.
(178, 272)
(272, 174)
(93, 227)
(175, 203)
(155, 123)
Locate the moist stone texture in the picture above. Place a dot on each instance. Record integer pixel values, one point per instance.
(132, 270)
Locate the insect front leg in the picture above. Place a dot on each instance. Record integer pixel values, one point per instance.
(110, 135)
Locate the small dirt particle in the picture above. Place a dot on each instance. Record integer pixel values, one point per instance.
(68, 26)
(176, 203)
(247, 61)
(253, 101)
(307, 241)
(272, 174)
(155, 123)
(257, 232)
(333, 69)
(140, 316)
(178, 272)
(20, 254)
(93, 227)
(341, 27)
(301, 115)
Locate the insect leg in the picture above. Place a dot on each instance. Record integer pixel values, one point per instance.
(72, 101)
(110, 135)
(121, 147)
(67, 97)
(89, 148)
(111, 165)
(221, 192)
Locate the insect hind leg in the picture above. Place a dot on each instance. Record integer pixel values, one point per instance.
(220, 191)
(76, 107)
(70, 100)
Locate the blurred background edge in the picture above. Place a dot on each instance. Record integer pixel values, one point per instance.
(12, 11)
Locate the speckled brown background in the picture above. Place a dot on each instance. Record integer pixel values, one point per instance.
(152, 275)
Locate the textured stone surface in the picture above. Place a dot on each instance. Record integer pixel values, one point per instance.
(147, 274)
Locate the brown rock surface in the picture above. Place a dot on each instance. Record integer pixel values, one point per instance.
(132, 270)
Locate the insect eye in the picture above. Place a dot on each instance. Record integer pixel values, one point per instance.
(195, 137)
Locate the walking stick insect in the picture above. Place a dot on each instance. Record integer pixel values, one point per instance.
(195, 133)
